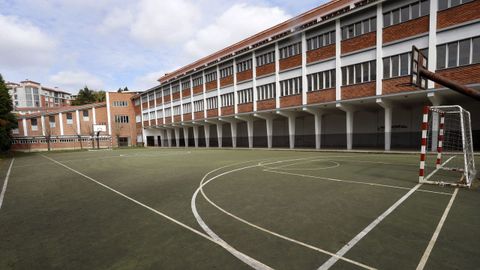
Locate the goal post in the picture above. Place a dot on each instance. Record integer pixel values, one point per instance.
(446, 155)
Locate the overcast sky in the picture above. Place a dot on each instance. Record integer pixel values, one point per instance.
(107, 44)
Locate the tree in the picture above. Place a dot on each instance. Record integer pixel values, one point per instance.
(88, 96)
(8, 120)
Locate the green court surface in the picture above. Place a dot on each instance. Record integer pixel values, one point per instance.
(232, 209)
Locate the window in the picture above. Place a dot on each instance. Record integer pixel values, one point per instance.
(445, 4)
(266, 91)
(175, 88)
(321, 80)
(152, 116)
(210, 77)
(138, 118)
(85, 115)
(124, 118)
(176, 110)
(458, 53)
(186, 85)
(198, 106)
(197, 81)
(244, 65)
(245, 96)
(227, 99)
(359, 28)
(159, 113)
(212, 103)
(290, 50)
(137, 102)
(265, 59)
(321, 40)
(51, 120)
(151, 97)
(69, 119)
(168, 112)
(145, 116)
(406, 13)
(120, 104)
(33, 123)
(166, 91)
(225, 72)
(187, 108)
(359, 73)
(144, 99)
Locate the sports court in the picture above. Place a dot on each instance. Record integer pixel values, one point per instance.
(232, 209)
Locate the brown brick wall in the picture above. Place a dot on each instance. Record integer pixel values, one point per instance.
(198, 89)
(159, 101)
(464, 75)
(211, 85)
(321, 96)
(266, 104)
(152, 103)
(166, 99)
(391, 86)
(212, 113)
(406, 29)
(198, 115)
(228, 110)
(145, 105)
(187, 117)
(247, 107)
(321, 53)
(266, 69)
(357, 43)
(186, 93)
(244, 75)
(177, 118)
(291, 62)
(290, 101)
(159, 120)
(176, 96)
(122, 129)
(226, 81)
(459, 14)
(146, 124)
(358, 90)
(168, 120)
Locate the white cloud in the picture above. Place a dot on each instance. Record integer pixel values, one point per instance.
(23, 45)
(238, 22)
(147, 81)
(72, 81)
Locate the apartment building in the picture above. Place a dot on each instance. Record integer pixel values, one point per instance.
(72, 127)
(29, 96)
(333, 77)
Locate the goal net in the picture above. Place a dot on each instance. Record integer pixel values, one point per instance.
(447, 149)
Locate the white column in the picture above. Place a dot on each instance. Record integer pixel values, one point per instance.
(177, 136)
(269, 124)
(387, 106)
(379, 51)
(204, 97)
(42, 118)
(25, 130)
(207, 135)
(432, 40)
(304, 69)
(155, 140)
(219, 134)
(233, 128)
(163, 108)
(60, 118)
(169, 137)
(77, 115)
(109, 117)
(171, 105)
(349, 123)
(317, 115)
(254, 81)
(250, 133)
(94, 116)
(191, 99)
(291, 116)
(195, 135)
(185, 135)
(277, 76)
(219, 108)
(338, 60)
(181, 99)
(155, 104)
(235, 96)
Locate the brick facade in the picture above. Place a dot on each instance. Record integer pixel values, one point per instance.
(244, 75)
(406, 29)
(244, 108)
(291, 101)
(358, 43)
(198, 115)
(186, 92)
(187, 117)
(392, 85)
(198, 89)
(464, 74)
(320, 54)
(211, 86)
(166, 99)
(358, 90)
(265, 69)
(212, 113)
(459, 14)
(321, 96)
(228, 110)
(266, 104)
(176, 96)
(291, 62)
(226, 81)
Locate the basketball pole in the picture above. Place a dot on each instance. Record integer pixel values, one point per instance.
(449, 83)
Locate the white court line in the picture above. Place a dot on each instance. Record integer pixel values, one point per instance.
(222, 244)
(356, 182)
(372, 225)
(4, 189)
(205, 182)
(432, 242)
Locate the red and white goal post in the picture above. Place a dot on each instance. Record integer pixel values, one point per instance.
(446, 155)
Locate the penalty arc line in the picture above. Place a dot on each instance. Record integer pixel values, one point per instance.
(431, 244)
(4, 188)
(222, 244)
(372, 225)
